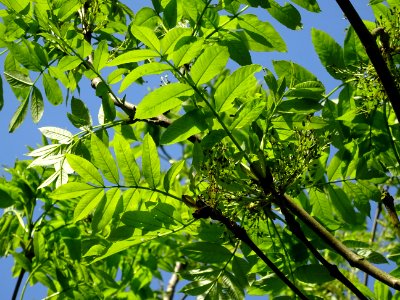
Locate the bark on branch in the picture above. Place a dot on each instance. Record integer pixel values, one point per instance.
(373, 53)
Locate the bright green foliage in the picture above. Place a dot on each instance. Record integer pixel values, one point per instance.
(191, 179)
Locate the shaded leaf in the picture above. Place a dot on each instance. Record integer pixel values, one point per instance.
(172, 173)
(206, 252)
(19, 115)
(313, 273)
(37, 105)
(18, 79)
(52, 90)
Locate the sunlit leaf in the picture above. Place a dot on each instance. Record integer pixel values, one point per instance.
(104, 160)
(87, 204)
(52, 90)
(37, 105)
(19, 115)
(72, 190)
(106, 209)
(126, 161)
(100, 56)
(146, 36)
(162, 100)
(150, 162)
(85, 169)
(63, 136)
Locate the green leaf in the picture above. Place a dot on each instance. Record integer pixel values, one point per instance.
(313, 273)
(329, 52)
(235, 85)
(106, 209)
(104, 160)
(126, 161)
(6, 199)
(353, 50)
(310, 5)
(61, 135)
(52, 90)
(68, 62)
(133, 56)
(209, 64)
(304, 106)
(237, 48)
(108, 107)
(100, 56)
(293, 73)
(172, 173)
(37, 105)
(142, 70)
(39, 246)
(248, 113)
(18, 79)
(147, 37)
(259, 35)
(88, 203)
(80, 113)
(19, 115)
(171, 38)
(85, 169)
(162, 100)
(170, 14)
(25, 54)
(197, 288)
(150, 162)
(206, 252)
(141, 219)
(321, 206)
(181, 129)
(342, 205)
(287, 15)
(72, 190)
(187, 49)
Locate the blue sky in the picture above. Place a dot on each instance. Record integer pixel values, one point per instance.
(300, 50)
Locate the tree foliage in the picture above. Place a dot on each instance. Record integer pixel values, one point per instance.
(237, 179)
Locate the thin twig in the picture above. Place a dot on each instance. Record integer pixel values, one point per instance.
(373, 233)
(18, 284)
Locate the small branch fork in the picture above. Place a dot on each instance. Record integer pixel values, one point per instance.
(173, 281)
(204, 212)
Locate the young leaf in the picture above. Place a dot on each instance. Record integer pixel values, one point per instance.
(52, 90)
(235, 85)
(189, 124)
(100, 56)
(106, 209)
(126, 161)
(17, 79)
(150, 162)
(85, 169)
(104, 160)
(142, 70)
(329, 52)
(61, 135)
(133, 56)
(87, 204)
(162, 100)
(19, 115)
(72, 190)
(37, 105)
(147, 37)
(209, 64)
(172, 173)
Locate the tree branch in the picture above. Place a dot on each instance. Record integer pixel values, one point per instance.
(204, 211)
(373, 53)
(173, 281)
(354, 259)
(334, 271)
(388, 202)
(18, 284)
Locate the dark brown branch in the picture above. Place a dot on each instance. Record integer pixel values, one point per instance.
(173, 281)
(205, 211)
(373, 53)
(388, 202)
(334, 271)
